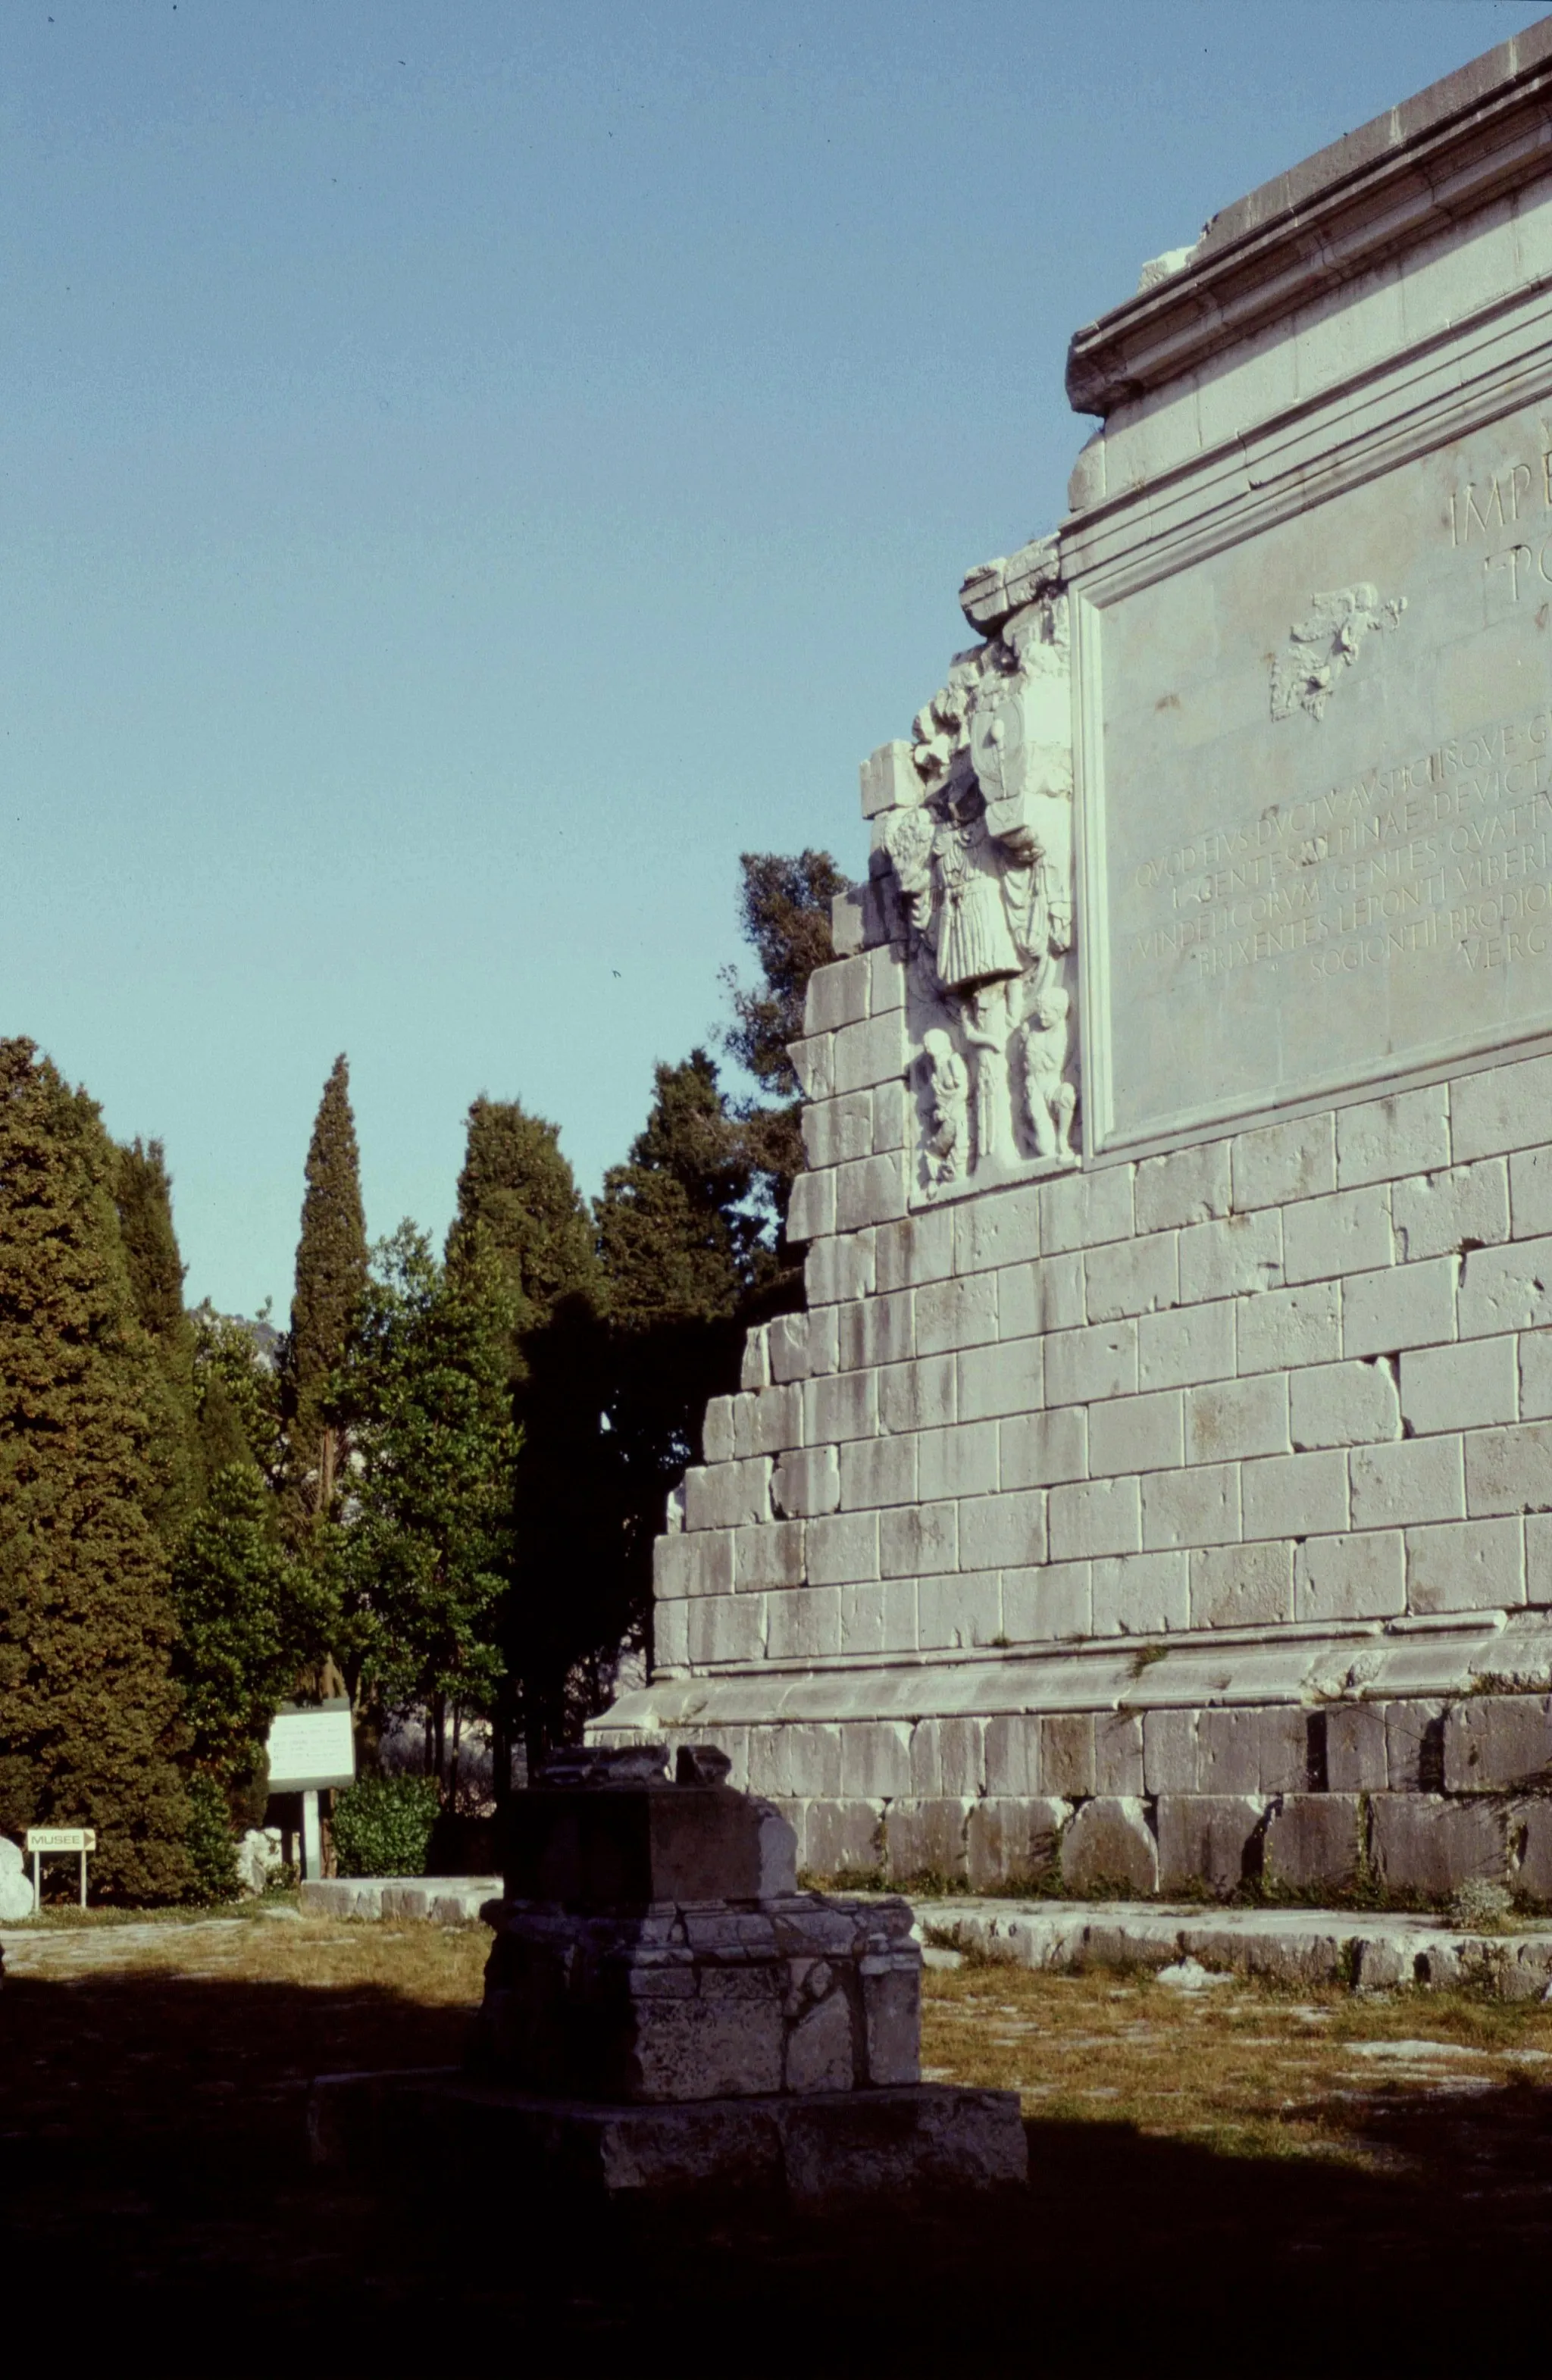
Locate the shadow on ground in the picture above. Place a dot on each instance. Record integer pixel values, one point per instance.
(154, 2171)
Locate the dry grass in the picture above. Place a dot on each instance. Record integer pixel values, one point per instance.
(1195, 2160)
(1240, 2067)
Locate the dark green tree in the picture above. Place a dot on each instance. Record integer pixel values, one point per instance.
(238, 1390)
(422, 1559)
(331, 1281)
(242, 1631)
(675, 1234)
(143, 1197)
(785, 911)
(90, 1724)
(519, 1203)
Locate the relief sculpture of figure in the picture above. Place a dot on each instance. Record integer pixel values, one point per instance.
(1049, 1098)
(986, 1029)
(949, 1088)
(980, 842)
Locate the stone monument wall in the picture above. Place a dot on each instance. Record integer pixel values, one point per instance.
(1158, 1490)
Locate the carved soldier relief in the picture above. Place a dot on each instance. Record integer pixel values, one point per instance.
(980, 841)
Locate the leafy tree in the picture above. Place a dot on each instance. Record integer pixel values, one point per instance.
(241, 1603)
(421, 1560)
(676, 1235)
(785, 913)
(517, 1197)
(330, 1281)
(89, 1711)
(238, 1390)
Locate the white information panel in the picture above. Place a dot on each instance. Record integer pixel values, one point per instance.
(312, 1747)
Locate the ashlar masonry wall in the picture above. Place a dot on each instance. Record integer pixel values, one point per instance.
(1158, 1490)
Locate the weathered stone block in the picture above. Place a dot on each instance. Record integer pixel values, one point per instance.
(1142, 1433)
(1436, 1213)
(1510, 1470)
(1191, 1343)
(1464, 1386)
(1097, 1516)
(1530, 1832)
(1406, 1132)
(1506, 1288)
(1284, 1162)
(926, 1838)
(1012, 1755)
(1199, 1507)
(1231, 1257)
(1294, 1495)
(1498, 1742)
(1425, 1848)
(1242, 1586)
(947, 1756)
(1343, 1404)
(1350, 1577)
(1067, 1754)
(1190, 1186)
(1141, 1595)
(1281, 1329)
(1208, 1841)
(1170, 1756)
(1355, 1748)
(842, 1839)
(1132, 1277)
(1117, 1753)
(1329, 1239)
(1110, 1848)
(806, 1482)
(1414, 1746)
(1010, 1841)
(1227, 1420)
(1467, 1566)
(1411, 1305)
(1314, 1842)
(1418, 1480)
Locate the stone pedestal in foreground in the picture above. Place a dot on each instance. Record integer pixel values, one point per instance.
(664, 2010)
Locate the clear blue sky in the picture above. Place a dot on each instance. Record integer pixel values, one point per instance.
(469, 470)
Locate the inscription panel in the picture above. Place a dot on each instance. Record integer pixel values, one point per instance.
(1321, 817)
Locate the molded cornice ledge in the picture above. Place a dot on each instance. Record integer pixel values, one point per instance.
(1420, 169)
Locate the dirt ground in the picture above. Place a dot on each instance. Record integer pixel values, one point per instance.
(1361, 2184)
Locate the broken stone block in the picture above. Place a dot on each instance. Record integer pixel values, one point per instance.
(1414, 1746)
(1208, 1841)
(1011, 1842)
(1424, 1847)
(1313, 1842)
(1110, 1849)
(891, 2015)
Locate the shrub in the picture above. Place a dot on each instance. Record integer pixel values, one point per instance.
(212, 1850)
(383, 1826)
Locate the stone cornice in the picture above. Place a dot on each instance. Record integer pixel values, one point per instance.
(1465, 142)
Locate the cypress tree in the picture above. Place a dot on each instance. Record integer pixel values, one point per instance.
(143, 1197)
(517, 1197)
(89, 1712)
(331, 1282)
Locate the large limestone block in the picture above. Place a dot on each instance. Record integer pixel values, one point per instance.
(1531, 1827)
(1425, 1848)
(1313, 1842)
(1110, 1848)
(926, 1838)
(1492, 1742)
(1011, 1842)
(842, 1839)
(1208, 1841)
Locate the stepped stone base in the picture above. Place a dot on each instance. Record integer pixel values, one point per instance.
(821, 2149)
(1363, 1950)
(1396, 1762)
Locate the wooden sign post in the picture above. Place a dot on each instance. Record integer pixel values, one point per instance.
(43, 1840)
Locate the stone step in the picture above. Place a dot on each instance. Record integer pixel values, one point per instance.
(439, 1899)
(1365, 1951)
